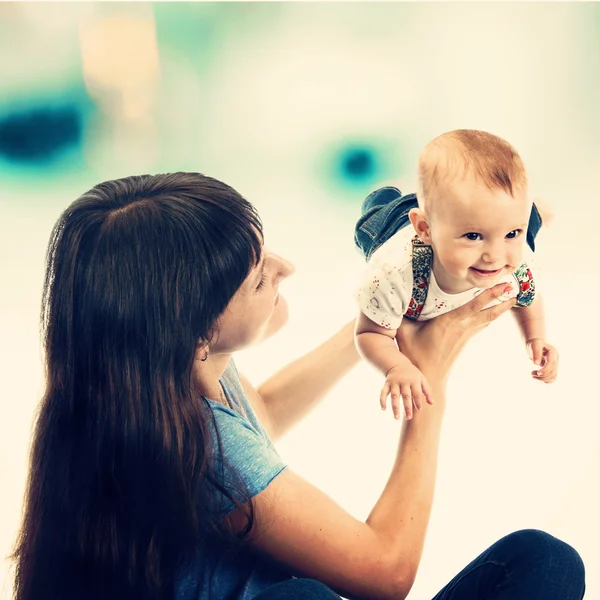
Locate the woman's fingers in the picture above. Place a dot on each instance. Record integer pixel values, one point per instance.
(476, 310)
(434, 345)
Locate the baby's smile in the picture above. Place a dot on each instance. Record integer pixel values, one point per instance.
(486, 272)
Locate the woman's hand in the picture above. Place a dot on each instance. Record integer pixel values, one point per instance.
(433, 345)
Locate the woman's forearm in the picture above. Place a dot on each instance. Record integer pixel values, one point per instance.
(309, 533)
(295, 390)
(401, 515)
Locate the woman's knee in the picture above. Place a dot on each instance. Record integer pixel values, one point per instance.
(548, 554)
(541, 543)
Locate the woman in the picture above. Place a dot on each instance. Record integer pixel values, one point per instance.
(153, 474)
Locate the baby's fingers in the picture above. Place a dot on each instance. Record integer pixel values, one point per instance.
(407, 400)
(426, 388)
(537, 355)
(545, 376)
(385, 392)
(547, 373)
(417, 395)
(395, 394)
(551, 356)
(549, 364)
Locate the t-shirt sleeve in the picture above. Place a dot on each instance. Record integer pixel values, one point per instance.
(384, 293)
(247, 462)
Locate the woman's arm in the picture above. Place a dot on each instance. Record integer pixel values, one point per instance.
(302, 528)
(295, 390)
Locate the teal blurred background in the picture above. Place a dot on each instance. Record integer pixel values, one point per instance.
(305, 108)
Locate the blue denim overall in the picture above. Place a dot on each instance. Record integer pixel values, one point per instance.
(385, 211)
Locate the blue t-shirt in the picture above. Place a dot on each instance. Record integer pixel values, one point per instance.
(247, 454)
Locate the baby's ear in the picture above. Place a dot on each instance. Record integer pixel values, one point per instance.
(420, 224)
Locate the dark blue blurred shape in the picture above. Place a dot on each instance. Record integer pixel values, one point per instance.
(354, 164)
(40, 134)
(358, 164)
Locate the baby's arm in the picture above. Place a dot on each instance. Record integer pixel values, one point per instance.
(532, 324)
(378, 346)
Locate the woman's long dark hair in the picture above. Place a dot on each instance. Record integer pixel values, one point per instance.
(121, 482)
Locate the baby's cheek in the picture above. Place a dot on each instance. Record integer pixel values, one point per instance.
(458, 264)
(519, 252)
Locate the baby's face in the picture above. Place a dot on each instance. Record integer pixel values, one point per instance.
(478, 234)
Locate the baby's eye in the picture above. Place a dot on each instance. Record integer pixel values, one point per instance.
(472, 236)
(514, 233)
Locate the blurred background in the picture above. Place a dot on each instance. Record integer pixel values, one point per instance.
(305, 108)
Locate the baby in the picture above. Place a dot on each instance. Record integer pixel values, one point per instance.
(465, 231)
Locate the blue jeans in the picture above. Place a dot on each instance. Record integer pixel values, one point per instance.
(297, 589)
(385, 211)
(524, 565)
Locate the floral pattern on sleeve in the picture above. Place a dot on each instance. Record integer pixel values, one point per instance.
(524, 278)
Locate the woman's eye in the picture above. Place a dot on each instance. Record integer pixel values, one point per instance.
(472, 236)
(513, 234)
(262, 282)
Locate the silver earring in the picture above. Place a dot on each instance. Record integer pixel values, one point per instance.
(206, 357)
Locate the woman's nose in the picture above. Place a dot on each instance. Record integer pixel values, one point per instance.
(284, 268)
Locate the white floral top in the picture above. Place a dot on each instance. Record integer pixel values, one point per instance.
(385, 292)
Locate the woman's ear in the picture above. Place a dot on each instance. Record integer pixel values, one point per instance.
(202, 351)
(420, 224)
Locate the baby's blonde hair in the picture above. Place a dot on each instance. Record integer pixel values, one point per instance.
(458, 153)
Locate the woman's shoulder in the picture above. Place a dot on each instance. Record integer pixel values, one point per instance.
(243, 456)
(242, 443)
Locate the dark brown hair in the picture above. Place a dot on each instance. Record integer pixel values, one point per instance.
(122, 481)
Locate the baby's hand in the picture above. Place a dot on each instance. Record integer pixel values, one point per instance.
(408, 383)
(544, 355)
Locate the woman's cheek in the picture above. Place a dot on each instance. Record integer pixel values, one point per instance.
(278, 318)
